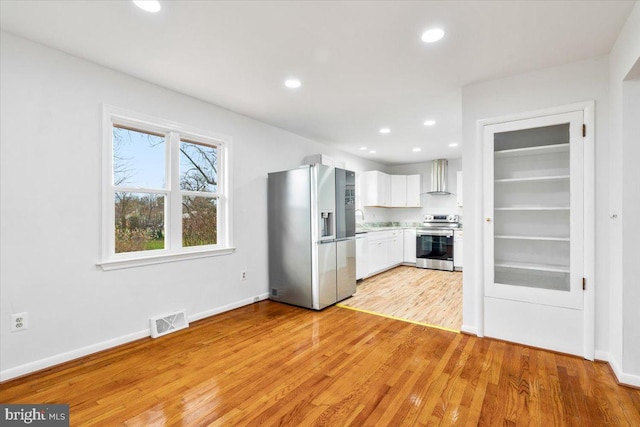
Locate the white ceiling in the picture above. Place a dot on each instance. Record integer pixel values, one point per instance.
(362, 63)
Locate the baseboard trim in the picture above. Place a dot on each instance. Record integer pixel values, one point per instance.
(228, 307)
(623, 378)
(602, 356)
(49, 362)
(470, 330)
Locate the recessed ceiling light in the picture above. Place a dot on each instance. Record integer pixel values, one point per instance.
(453, 144)
(432, 35)
(385, 130)
(417, 149)
(152, 6)
(363, 148)
(429, 122)
(372, 152)
(293, 83)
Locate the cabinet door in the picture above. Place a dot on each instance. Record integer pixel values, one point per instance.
(409, 252)
(362, 258)
(457, 249)
(384, 183)
(413, 191)
(533, 231)
(378, 255)
(396, 248)
(398, 191)
(375, 189)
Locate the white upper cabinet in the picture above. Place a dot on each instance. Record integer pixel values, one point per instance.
(398, 190)
(382, 190)
(413, 191)
(376, 189)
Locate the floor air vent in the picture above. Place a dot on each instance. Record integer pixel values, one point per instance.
(167, 323)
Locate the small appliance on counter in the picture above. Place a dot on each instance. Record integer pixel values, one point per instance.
(434, 242)
(312, 227)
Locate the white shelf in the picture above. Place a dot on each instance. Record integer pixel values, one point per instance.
(536, 179)
(536, 267)
(532, 151)
(533, 208)
(539, 238)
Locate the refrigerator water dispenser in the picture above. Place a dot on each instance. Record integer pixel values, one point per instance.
(326, 224)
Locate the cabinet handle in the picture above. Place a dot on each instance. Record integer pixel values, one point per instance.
(488, 219)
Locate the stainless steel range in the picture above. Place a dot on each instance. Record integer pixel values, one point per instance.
(434, 242)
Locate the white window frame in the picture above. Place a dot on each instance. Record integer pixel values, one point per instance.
(174, 133)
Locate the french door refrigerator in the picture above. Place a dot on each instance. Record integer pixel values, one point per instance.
(311, 226)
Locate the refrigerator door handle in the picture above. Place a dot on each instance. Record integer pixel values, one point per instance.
(323, 242)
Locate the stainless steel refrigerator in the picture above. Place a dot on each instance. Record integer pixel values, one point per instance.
(312, 249)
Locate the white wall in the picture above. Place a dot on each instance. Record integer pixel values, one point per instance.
(625, 316)
(631, 227)
(51, 115)
(567, 84)
(430, 204)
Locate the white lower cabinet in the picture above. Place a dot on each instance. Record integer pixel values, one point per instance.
(396, 252)
(409, 250)
(385, 250)
(378, 249)
(457, 250)
(362, 256)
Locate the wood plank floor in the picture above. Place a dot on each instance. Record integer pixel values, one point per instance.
(274, 364)
(426, 296)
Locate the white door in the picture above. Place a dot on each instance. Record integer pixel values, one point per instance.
(534, 232)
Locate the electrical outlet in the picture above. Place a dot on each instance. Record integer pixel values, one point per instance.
(19, 321)
(243, 275)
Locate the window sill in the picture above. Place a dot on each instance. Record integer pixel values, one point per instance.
(161, 259)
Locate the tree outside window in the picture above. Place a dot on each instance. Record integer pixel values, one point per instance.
(142, 190)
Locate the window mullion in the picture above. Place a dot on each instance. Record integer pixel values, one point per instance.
(175, 204)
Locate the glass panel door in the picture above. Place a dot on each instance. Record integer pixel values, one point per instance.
(533, 209)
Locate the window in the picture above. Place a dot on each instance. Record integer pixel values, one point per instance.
(166, 192)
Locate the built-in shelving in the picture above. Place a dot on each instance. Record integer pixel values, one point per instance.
(535, 179)
(532, 151)
(538, 238)
(533, 208)
(535, 267)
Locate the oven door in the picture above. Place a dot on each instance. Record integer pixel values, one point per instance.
(434, 249)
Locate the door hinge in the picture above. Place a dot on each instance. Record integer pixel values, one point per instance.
(584, 130)
(584, 284)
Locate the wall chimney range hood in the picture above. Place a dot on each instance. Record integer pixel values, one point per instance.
(439, 169)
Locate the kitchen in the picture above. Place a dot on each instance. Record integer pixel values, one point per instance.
(425, 198)
(320, 242)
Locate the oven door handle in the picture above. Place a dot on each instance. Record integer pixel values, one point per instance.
(446, 233)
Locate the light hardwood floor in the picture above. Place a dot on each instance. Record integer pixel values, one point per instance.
(273, 364)
(426, 296)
